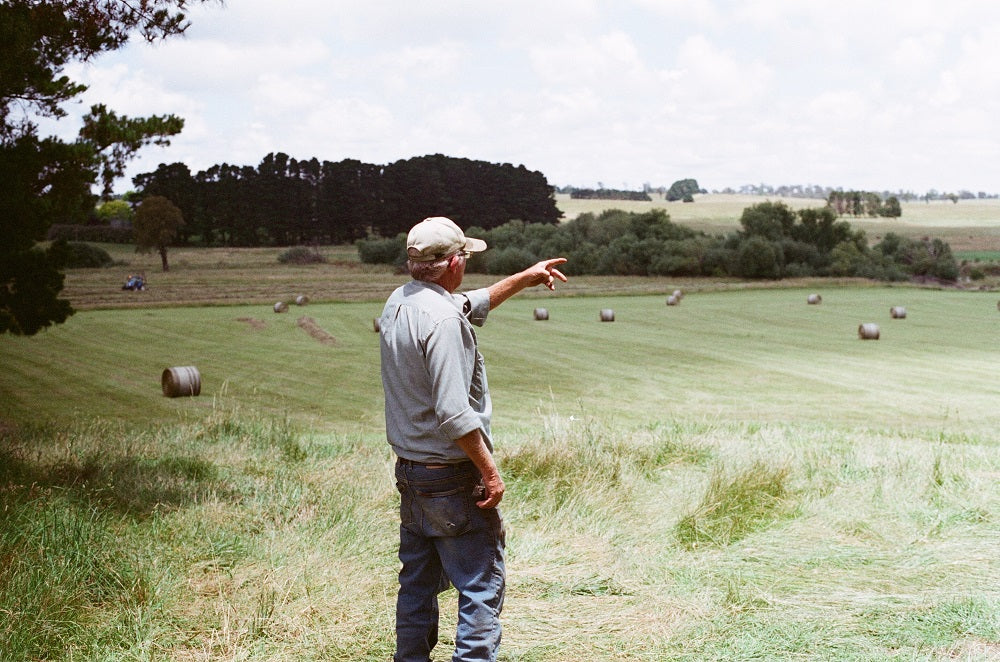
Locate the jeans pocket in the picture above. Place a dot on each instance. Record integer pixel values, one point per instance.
(405, 505)
(445, 513)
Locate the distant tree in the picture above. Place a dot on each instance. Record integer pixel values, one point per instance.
(156, 224)
(175, 182)
(863, 203)
(117, 213)
(891, 208)
(681, 189)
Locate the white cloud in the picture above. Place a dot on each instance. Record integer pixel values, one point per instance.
(859, 94)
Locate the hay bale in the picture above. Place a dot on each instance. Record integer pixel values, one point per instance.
(897, 312)
(281, 307)
(541, 314)
(673, 300)
(301, 300)
(377, 325)
(868, 331)
(814, 299)
(678, 294)
(607, 315)
(180, 381)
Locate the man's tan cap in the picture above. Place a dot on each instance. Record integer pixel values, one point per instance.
(438, 237)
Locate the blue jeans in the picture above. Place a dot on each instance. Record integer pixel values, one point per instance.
(445, 537)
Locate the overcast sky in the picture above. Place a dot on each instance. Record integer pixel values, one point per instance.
(890, 95)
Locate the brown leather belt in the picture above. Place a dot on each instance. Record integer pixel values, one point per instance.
(428, 465)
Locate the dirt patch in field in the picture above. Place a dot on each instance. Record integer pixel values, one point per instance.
(314, 330)
(253, 322)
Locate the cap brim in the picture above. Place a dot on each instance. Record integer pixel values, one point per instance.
(473, 245)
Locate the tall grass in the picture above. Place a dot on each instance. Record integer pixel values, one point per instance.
(735, 506)
(241, 536)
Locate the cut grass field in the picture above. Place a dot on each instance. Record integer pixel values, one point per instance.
(736, 477)
(753, 355)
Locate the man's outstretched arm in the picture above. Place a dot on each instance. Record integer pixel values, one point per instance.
(542, 273)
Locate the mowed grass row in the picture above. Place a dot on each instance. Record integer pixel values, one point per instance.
(745, 356)
(736, 477)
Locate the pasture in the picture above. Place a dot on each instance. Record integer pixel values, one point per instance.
(744, 356)
(736, 477)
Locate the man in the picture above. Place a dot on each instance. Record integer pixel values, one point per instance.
(437, 416)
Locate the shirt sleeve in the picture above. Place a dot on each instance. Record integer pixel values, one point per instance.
(451, 361)
(476, 306)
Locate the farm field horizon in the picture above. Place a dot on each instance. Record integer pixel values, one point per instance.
(230, 276)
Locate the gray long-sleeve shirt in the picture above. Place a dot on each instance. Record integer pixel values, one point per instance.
(433, 375)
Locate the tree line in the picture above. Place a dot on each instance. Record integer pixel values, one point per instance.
(864, 203)
(608, 194)
(823, 192)
(284, 201)
(773, 242)
(682, 189)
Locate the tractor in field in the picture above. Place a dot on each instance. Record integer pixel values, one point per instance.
(135, 283)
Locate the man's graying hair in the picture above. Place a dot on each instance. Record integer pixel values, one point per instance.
(428, 272)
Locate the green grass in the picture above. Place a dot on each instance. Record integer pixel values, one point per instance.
(757, 355)
(736, 477)
(209, 540)
(978, 256)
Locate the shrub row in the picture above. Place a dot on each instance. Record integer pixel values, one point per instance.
(95, 233)
(84, 256)
(775, 242)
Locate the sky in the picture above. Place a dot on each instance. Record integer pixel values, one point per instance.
(897, 95)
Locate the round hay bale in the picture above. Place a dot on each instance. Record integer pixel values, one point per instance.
(301, 300)
(377, 325)
(181, 381)
(607, 315)
(814, 299)
(678, 294)
(281, 307)
(868, 331)
(541, 314)
(897, 312)
(673, 300)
